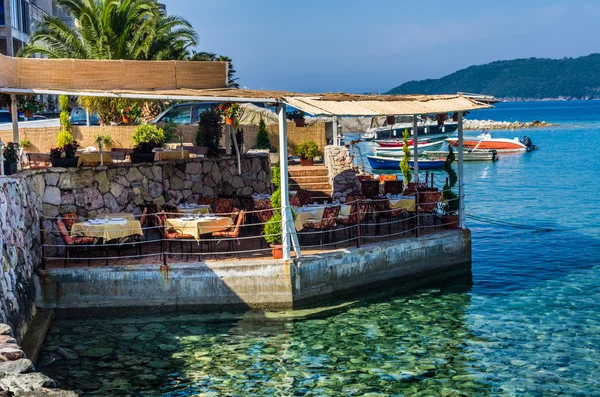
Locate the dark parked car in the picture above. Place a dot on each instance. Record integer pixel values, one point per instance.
(5, 117)
(185, 113)
(79, 117)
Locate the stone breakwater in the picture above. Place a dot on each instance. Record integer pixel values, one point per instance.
(503, 125)
(20, 204)
(17, 374)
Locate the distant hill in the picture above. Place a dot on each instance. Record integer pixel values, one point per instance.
(532, 78)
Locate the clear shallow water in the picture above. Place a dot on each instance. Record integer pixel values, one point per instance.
(526, 323)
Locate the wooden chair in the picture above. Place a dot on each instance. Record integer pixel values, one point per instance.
(117, 156)
(173, 235)
(382, 210)
(34, 158)
(324, 225)
(232, 233)
(171, 211)
(358, 216)
(223, 205)
(72, 242)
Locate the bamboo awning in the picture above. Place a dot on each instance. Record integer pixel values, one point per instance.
(199, 81)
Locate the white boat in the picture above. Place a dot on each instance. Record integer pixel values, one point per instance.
(501, 145)
(398, 151)
(367, 136)
(468, 154)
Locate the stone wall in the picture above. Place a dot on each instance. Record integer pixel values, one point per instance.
(342, 172)
(124, 187)
(20, 201)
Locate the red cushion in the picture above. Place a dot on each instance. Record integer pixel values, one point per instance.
(177, 235)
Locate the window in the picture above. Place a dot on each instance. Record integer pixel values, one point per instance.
(179, 115)
(2, 19)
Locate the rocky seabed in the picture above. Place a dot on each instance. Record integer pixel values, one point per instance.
(503, 125)
(17, 373)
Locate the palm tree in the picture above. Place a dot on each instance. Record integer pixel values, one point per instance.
(212, 57)
(112, 29)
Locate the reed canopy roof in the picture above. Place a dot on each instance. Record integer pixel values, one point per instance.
(199, 81)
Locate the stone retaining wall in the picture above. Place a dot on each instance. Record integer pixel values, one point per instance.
(20, 201)
(342, 172)
(17, 374)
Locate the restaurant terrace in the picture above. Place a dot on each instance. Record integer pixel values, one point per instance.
(169, 212)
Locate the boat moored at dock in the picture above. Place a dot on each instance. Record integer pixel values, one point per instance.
(501, 145)
(389, 163)
(399, 152)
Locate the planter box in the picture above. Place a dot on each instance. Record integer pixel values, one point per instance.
(10, 168)
(65, 163)
(277, 251)
(450, 221)
(306, 162)
(141, 157)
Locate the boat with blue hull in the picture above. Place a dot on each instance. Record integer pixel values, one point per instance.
(388, 163)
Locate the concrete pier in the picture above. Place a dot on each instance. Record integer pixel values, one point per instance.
(253, 283)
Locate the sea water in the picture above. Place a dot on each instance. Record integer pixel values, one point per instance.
(525, 323)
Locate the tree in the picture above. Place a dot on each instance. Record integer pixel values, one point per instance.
(212, 57)
(112, 29)
(262, 138)
(209, 132)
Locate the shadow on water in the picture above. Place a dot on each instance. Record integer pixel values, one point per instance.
(400, 343)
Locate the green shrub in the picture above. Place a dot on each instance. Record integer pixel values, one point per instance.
(262, 138)
(148, 133)
(64, 136)
(276, 175)
(307, 150)
(452, 203)
(25, 143)
(104, 138)
(404, 165)
(170, 129)
(209, 132)
(272, 230)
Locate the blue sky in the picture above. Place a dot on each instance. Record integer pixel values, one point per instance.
(364, 46)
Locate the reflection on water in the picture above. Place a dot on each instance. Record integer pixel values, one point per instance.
(525, 324)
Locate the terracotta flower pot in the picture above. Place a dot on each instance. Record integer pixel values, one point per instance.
(124, 119)
(228, 121)
(27, 113)
(277, 251)
(450, 221)
(300, 122)
(307, 162)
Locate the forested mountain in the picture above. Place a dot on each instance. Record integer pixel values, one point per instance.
(532, 78)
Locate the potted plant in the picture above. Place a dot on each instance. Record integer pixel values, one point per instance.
(229, 111)
(452, 203)
(11, 157)
(307, 151)
(146, 137)
(131, 114)
(210, 130)
(273, 235)
(65, 156)
(32, 106)
(404, 163)
(297, 116)
(143, 152)
(105, 139)
(25, 143)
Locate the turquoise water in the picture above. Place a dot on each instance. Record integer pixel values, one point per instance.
(526, 323)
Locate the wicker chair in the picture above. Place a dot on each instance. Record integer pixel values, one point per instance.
(223, 205)
(370, 189)
(324, 225)
(232, 233)
(393, 187)
(173, 235)
(72, 242)
(207, 201)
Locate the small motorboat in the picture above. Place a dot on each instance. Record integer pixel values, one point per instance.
(398, 143)
(388, 163)
(500, 145)
(399, 151)
(468, 155)
(367, 136)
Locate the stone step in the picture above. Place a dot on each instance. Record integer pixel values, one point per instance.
(316, 170)
(309, 179)
(321, 186)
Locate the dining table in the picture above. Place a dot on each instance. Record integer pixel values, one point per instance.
(199, 225)
(92, 159)
(407, 203)
(194, 208)
(314, 213)
(171, 155)
(108, 228)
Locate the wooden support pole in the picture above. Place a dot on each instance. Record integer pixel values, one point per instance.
(461, 192)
